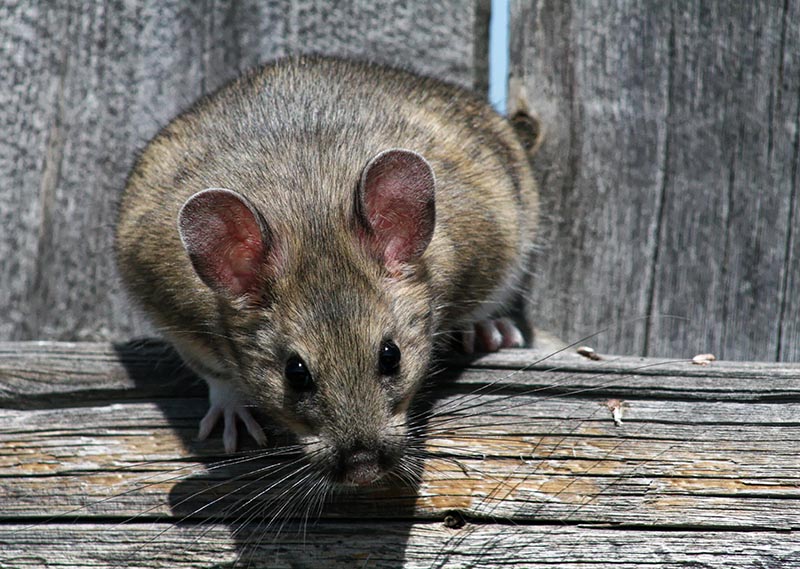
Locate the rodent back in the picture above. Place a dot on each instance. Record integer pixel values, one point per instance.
(293, 137)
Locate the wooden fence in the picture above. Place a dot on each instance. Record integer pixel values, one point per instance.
(669, 176)
(669, 170)
(83, 87)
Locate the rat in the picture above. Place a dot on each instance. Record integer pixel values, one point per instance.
(311, 233)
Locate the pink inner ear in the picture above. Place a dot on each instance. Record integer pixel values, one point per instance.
(397, 191)
(225, 241)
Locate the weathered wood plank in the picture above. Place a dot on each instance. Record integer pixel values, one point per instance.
(724, 223)
(391, 545)
(552, 458)
(669, 171)
(596, 74)
(703, 468)
(788, 101)
(527, 445)
(84, 85)
(32, 374)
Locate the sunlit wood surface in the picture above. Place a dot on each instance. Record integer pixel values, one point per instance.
(525, 467)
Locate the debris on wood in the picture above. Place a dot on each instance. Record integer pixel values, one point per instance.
(588, 352)
(615, 406)
(703, 359)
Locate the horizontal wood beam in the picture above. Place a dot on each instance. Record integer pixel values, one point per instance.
(97, 443)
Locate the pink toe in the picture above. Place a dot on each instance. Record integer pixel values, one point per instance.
(229, 435)
(252, 426)
(490, 337)
(512, 337)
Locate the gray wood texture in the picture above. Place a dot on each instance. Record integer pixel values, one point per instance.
(392, 545)
(98, 467)
(669, 170)
(84, 85)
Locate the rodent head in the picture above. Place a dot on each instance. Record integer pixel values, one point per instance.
(333, 333)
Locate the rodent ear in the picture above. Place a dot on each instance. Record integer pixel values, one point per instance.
(227, 241)
(529, 131)
(397, 205)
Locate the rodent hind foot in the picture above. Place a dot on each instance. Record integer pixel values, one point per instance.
(490, 335)
(225, 403)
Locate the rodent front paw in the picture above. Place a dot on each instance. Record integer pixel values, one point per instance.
(226, 403)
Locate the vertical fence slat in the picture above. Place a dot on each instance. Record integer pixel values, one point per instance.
(667, 173)
(85, 85)
(596, 73)
(726, 209)
(787, 124)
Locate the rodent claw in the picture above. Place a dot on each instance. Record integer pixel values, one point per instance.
(229, 432)
(490, 336)
(208, 421)
(252, 426)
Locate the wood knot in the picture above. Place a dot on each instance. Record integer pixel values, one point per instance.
(454, 520)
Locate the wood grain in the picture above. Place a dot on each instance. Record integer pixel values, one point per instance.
(788, 102)
(701, 472)
(390, 545)
(85, 85)
(669, 172)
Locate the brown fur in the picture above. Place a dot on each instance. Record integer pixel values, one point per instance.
(293, 137)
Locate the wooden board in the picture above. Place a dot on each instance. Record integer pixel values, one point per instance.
(526, 467)
(392, 545)
(669, 172)
(84, 85)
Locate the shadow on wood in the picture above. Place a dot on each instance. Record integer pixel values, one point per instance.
(269, 500)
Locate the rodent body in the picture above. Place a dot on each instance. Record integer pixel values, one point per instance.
(326, 259)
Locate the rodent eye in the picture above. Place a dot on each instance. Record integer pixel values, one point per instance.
(389, 358)
(297, 375)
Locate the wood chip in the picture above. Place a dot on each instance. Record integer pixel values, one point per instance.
(703, 359)
(588, 352)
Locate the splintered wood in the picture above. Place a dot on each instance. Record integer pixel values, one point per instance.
(654, 462)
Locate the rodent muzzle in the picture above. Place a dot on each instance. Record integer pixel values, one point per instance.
(362, 466)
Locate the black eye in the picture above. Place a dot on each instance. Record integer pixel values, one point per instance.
(297, 375)
(389, 358)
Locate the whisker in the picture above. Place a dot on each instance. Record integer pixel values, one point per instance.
(207, 505)
(477, 405)
(480, 391)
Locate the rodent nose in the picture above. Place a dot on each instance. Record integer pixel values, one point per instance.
(361, 467)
